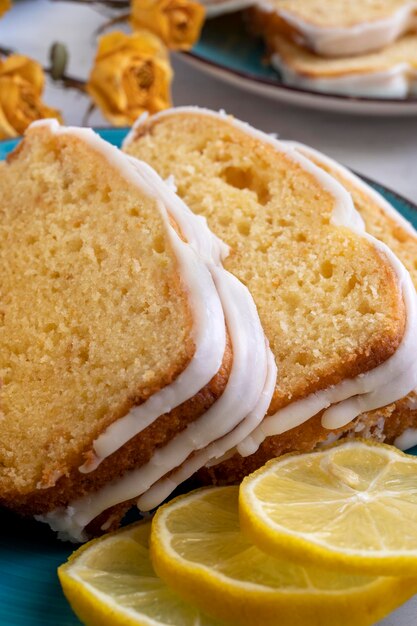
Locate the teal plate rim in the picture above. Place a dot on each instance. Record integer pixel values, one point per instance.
(208, 51)
(30, 594)
(250, 76)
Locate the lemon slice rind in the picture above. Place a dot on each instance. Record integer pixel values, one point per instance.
(80, 576)
(249, 603)
(314, 545)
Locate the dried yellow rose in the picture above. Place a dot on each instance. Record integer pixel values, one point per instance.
(21, 85)
(177, 22)
(4, 6)
(131, 74)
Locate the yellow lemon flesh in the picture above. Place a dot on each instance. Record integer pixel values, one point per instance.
(351, 507)
(198, 549)
(110, 581)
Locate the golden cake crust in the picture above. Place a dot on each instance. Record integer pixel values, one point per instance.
(72, 484)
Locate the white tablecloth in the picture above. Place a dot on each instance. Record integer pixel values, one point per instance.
(383, 149)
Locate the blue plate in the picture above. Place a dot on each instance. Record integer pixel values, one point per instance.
(227, 51)
(30, 594)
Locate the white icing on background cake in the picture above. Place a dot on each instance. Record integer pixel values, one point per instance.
(334, 41)
(399, 81)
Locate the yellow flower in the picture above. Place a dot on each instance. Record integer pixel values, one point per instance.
(177, 22)
(4, 6)
(131, 75)
(21, 86)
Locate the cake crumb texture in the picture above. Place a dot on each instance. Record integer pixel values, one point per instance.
(328, 300)
(93, 314)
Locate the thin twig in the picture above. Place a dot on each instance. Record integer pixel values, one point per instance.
(68, 81)
(6, 51)
(87, 114)
(116, 20)
(114, 4)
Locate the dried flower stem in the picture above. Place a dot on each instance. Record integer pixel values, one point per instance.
(69, 81)
(113, 4)
(5, 52)
(116, 20)
(88, 113)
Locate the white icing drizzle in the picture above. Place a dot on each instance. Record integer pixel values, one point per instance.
(379, 200)
(216, 452)
(412, 401)
(407, 439)
(132, 132)
(357, 182)
(386, 383)
(197, 374)
(376, 197)
(398, 81)
(240, 408)
(338, 41)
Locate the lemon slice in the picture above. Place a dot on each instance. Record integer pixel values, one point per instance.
(198, 549)
(110, 581)
(352, 507)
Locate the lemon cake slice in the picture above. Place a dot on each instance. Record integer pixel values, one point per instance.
(388, 73)
(338, 308)
(335, 27)
(384, 222)
(124, 342)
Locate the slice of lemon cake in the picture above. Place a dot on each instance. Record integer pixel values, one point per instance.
(397, 423)
(384, 222)
(338, 308)
(114, 310)
(388, 73)
(335, 27)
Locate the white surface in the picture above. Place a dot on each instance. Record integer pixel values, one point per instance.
(384, 149)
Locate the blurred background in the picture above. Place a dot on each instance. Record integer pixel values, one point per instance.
(381, 147)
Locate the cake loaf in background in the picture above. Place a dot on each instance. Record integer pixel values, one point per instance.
(336, 28)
